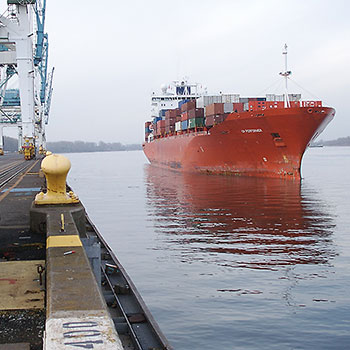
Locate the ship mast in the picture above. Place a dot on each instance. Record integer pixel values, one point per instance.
(286, 74)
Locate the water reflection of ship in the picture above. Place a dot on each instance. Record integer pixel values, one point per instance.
(239, 222)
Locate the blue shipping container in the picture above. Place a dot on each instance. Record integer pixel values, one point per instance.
(162, 112)
(182, 102)
(155, 119)
(184, 125)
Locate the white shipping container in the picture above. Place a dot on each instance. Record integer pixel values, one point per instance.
(225, 98)
(228, 107)
(178, 126)
(270, 97)
(217, 99)
(204, 101)
(230, 98)
(294, 97)
(208, 100)
(200, 102)
(235, 98)
(273, 97)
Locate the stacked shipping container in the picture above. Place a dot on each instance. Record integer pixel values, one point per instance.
(147, 130)
(171, 117)
(215, 113)
(205, 101)
(189, 117)
(291, 97)
(160, 128)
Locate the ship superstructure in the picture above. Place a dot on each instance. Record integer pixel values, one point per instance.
(172, 94)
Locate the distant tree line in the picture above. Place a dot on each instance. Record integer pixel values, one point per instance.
(82, 146)
(342, 141)
(11, 145)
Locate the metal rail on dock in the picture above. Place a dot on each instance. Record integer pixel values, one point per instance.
(12, 171)
(133, 320)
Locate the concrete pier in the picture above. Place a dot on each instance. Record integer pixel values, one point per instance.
(41, 241)
(22, 252)
(61, 286)
(76, 313)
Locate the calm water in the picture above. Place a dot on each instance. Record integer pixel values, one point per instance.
(230, 263)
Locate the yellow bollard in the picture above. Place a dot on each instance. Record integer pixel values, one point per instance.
(55, 168)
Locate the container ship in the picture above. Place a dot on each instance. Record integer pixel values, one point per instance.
(227, 134)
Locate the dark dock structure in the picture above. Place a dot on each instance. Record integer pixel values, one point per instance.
(61, 286)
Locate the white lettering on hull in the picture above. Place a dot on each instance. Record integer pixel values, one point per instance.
(250, 131)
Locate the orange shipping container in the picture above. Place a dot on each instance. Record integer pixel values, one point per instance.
(172, 113)
(238, 107)
(196, 113)
(170, 121)
(215, 108)
(160, 124)
(170, 129)
(188, 106)
(184, 116)
(215, 119)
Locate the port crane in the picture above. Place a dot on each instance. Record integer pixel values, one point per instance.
(24, 62)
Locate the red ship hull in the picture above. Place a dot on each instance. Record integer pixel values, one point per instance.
(266, 143)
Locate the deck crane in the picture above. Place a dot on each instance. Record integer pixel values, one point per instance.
(49, 90)
(24, 54)
(41, 62)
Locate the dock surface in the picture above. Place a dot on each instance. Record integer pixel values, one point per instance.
(61, 286)
(22, 304)
(68, 303)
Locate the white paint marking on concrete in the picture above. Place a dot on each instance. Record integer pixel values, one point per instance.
(89, 332)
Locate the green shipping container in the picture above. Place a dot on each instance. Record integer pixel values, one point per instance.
(195, 123)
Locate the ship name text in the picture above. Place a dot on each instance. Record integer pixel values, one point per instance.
(250, 131)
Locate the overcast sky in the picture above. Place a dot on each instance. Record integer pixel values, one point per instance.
(110, 55)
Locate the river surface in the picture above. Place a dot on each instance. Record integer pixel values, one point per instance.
(226, 262)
